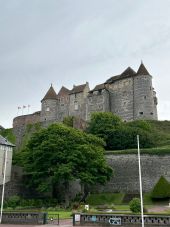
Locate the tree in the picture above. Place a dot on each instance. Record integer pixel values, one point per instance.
(120, 135)
(62, 154)
(102, 123)
(161, 189)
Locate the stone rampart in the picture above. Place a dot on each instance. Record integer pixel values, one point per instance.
(26, 119)
(126, 178)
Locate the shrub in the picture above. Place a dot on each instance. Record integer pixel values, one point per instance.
(161, 189)
(135, 205)
(13, 201)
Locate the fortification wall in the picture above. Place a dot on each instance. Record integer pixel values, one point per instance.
(126, 178)
(122, 98)
(26, 119)
(98, 101)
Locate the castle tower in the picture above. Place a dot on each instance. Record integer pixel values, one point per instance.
(145, 101)
(49, 106)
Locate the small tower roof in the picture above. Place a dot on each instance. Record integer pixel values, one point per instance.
(142, 70)
(51, 94)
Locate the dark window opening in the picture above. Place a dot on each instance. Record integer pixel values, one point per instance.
(151, 113)
(141, 113)
(145, 97)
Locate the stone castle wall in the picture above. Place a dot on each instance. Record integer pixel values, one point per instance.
(122, 100)
(26, 119)
(126, 178)
(144, 105)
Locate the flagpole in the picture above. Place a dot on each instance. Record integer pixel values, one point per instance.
(3, 185)
(140, 181)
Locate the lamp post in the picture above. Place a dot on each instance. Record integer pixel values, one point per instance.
(5, 146)
(140, 181)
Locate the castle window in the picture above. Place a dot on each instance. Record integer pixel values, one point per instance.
(48, 109)
(151, 113)
(141, 113)
(76, 105)
(145, 97)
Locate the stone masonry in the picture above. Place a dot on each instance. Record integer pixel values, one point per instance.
(129, 95)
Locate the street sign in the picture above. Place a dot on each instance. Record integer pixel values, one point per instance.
(115, 221)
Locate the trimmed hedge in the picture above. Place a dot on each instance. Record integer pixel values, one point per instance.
(161, 189)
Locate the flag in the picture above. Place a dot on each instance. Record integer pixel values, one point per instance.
(24, 107)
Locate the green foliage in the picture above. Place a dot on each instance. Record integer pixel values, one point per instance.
(121, 135)
(68, 121)
(101, 123)
(135, 205)
(8, 133)
(161, 189)
(60, 154)
(16, 202)
(13, 201)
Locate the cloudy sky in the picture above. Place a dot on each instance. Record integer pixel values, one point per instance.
(68, 42)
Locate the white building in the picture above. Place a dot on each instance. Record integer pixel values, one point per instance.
(5, 145)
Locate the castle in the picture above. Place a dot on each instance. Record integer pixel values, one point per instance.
(129, 95)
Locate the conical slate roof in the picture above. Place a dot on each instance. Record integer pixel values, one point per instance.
(51, 94)
(142, 70)
(4, 141)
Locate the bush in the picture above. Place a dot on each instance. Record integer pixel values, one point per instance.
(135, 205)
(13, 201)
(161, 189)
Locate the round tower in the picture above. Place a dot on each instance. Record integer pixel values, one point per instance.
(49, 106)
(144, 97)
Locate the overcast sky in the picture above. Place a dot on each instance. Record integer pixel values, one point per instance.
(68, 42)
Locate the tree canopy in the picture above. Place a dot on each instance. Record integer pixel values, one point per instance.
(121, 135)
(61, 154)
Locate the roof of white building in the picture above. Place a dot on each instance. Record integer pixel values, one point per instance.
(4, 141)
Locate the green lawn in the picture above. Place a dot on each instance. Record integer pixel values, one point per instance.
(105, 198)
(62, 214)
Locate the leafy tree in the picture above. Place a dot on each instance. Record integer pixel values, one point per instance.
(120, 135)
(62, 154)
(161, 189)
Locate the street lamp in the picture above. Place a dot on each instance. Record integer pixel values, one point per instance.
(5, 147)
(140, 181)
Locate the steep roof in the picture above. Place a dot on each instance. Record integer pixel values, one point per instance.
(98, 87)
(63, 91)
(78, 89)
(4, 141)
(125, 74)
(1, 128)
(142, 70)
(51, 94)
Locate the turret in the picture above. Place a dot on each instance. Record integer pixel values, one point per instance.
(49, 106)
(144, 96)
